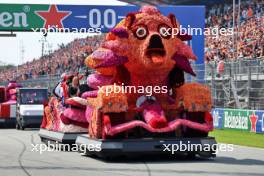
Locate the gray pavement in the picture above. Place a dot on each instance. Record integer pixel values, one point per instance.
(18, 159)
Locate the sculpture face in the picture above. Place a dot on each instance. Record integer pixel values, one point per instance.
(151, 49)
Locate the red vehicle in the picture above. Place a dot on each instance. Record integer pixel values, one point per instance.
(8, 104)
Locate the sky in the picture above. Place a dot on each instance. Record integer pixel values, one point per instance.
(11, 47)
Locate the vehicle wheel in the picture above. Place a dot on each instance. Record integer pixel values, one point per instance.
(22, 128)
(17, 126)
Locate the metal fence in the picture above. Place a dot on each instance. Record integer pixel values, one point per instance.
(240, 85)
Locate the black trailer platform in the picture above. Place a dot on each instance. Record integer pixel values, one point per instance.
(57, 137)
(205, 147)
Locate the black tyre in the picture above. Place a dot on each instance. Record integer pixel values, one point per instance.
(17, 126)
(22, 128)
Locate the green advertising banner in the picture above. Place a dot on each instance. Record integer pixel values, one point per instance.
(240, 119)
(236, 119)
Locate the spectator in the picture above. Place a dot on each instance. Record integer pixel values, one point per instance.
(249, 40)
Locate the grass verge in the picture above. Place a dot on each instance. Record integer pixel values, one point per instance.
(238, 137)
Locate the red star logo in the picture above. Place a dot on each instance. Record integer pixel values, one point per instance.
(253, 120)
(53, 17)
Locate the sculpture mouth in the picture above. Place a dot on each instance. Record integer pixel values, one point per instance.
(155, 50)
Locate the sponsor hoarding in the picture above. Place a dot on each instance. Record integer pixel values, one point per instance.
(236, 119)
(239, 119)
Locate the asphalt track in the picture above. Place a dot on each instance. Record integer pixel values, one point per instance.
(18, 159)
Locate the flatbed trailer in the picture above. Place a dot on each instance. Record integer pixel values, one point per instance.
(58, 137)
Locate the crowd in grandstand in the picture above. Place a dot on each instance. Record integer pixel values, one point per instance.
(248, 34)
(248, 43)
(68, 57)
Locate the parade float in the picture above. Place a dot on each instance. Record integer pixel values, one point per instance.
(65, 114)
(140, 52)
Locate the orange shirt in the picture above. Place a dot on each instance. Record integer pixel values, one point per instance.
(250, 12)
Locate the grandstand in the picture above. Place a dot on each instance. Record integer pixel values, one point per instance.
(67, 58)
(238, 84)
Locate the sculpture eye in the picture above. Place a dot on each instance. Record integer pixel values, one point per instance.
(165, 31)
(141, 32)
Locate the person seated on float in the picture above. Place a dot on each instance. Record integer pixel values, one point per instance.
(62, 89)
(74, 87)
(58, 90)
